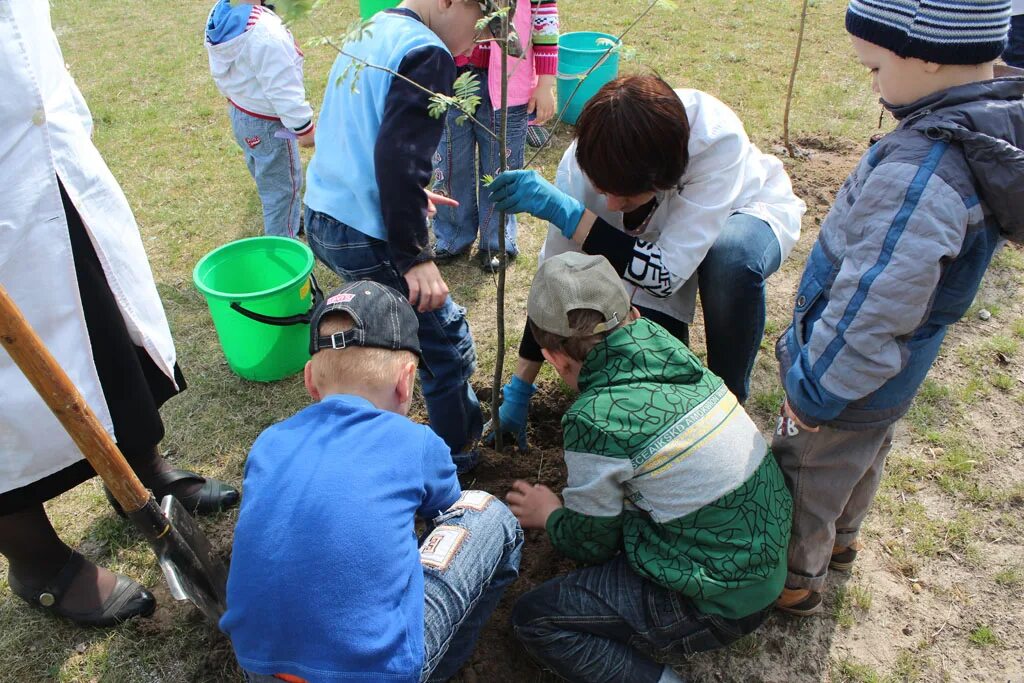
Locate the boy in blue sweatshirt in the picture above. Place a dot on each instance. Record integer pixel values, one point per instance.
(327, 580)
(899, 258)
(366, 204)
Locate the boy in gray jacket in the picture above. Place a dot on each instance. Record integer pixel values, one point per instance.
(899, 258)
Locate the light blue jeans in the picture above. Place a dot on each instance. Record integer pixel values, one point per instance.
(459, 599)
(275, 166)
(456, 176)
(445, 339)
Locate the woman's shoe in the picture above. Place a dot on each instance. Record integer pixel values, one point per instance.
(127, 600)
(213, 496)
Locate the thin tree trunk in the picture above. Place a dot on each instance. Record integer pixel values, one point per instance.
(792, 80)
(499, 362)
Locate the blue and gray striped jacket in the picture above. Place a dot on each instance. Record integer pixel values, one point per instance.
(901, 254)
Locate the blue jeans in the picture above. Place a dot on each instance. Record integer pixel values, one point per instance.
(275, 166)
(456, 176)
(1014, 52)
(602, 623)
(458, 599)
(445, 339)
(731, 282)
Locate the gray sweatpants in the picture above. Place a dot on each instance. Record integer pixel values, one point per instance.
(833, 476)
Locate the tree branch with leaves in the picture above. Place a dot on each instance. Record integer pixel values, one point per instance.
(465, 98)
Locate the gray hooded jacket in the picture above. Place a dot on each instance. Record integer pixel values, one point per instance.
(902, 252)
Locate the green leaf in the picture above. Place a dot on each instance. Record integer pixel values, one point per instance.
(488, 179)
(439, 105)
(482, 23)
(291, 11)
(356, 31)
(466, 85)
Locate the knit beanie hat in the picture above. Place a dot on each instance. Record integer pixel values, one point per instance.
(941, 31)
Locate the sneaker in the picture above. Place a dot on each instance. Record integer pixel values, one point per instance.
(445, 256)
(490, 263)
(536, 136)
(843, 557)
(800, 602)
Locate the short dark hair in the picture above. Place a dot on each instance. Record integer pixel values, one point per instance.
(632, 137)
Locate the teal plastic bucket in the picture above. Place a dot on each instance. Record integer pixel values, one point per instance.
(260, 291)
(577, 53)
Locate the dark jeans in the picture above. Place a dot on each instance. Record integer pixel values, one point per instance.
(731, 280)
(603, 623)
(1014, 52)
(447, 344)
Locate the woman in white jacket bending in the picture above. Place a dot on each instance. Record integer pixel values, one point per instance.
(668, 187)
(72, 259)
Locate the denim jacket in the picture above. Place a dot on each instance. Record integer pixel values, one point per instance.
(902, 252)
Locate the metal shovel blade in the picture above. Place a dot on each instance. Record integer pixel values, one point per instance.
(192, 570)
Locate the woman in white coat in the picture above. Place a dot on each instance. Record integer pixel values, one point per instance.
(667, 186)
(72, 259)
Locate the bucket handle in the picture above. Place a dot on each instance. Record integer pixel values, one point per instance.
(298, 319)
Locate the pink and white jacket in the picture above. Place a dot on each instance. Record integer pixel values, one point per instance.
(538, 20)
(260, 71)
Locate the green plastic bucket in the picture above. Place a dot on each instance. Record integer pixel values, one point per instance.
(261, 292)
(367, 8)
(577, 53)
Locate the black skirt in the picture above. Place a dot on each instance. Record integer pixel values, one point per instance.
(133, 386)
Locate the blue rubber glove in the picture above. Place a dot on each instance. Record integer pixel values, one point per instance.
(528, 192)
(515, 403)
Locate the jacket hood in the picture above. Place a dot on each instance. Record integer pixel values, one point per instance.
(640, 352)
(986, 119)
(226, 21)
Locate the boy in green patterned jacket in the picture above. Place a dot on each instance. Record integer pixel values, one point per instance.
(673, 498)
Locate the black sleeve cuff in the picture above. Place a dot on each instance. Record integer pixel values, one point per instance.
(403, 259)
(529, 349)
(613, 244)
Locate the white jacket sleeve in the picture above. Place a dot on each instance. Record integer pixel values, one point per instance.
(274, 62)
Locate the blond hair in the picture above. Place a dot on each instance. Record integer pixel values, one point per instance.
(363, 366)
(582, 322)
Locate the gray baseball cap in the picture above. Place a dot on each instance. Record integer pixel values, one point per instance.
(572, 281)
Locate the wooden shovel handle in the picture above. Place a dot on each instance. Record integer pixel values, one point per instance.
(66, 402)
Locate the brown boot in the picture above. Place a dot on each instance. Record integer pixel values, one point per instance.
(800, 602)
(843, 557)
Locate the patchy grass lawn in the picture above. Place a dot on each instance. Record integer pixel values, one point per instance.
(938, 593)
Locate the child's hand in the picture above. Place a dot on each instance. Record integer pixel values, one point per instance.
(542, 103)
(427, 289)
(788, 414)
(434, 200)
(532, 504)
(306, 140)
